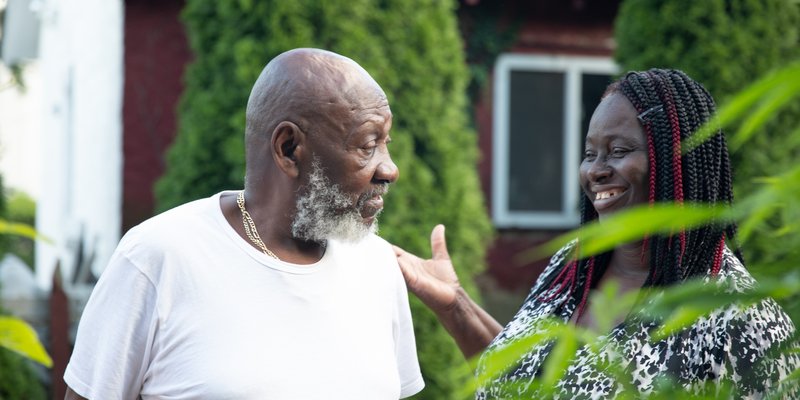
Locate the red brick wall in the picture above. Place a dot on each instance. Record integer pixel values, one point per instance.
(156, 52)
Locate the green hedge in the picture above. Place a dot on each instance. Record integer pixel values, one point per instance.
(17, 378)
(413, 49)
(726, 45)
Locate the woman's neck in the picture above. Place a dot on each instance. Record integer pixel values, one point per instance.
(630, 260)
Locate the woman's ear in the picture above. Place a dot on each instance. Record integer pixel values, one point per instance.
(288, 146)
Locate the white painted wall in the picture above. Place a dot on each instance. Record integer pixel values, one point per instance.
(20, 130)
(81, 61)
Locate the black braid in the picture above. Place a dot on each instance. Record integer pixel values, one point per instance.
(706, 176)
(704, 173)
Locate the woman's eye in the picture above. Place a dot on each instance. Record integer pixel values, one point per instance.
(619, 151)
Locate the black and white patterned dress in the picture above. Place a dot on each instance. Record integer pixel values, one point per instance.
(726, 346)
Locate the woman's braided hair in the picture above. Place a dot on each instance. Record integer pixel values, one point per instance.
(671, 108)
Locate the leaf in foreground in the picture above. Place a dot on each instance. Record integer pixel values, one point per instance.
(19, 337)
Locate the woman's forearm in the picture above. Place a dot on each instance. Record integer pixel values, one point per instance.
(469, 324)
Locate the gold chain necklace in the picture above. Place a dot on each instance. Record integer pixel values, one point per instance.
(250, 227)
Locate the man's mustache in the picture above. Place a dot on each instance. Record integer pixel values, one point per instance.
(378, 190)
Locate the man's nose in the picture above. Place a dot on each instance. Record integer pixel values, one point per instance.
(386, 171)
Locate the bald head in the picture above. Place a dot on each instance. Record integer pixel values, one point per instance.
(308, 87)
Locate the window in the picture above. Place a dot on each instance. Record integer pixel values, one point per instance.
(542, 107)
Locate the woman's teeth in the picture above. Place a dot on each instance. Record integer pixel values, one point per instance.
(606, 195)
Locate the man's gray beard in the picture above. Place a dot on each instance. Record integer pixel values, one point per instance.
(324, 212)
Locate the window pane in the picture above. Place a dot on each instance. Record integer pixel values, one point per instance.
(593, 87)
(536, 140)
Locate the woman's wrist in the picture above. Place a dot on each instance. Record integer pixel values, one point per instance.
(471, 327)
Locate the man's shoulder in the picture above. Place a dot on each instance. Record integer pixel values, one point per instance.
(374, 244)
(171, 224)
(369, 250)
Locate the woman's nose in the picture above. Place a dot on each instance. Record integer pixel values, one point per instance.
(599, 169)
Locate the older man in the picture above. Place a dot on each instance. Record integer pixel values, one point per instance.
(279, 291)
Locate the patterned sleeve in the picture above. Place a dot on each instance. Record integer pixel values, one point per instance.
(762, 351)
(554, 266)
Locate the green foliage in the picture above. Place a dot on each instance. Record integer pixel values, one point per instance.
(18, 336)
(726, 44)
(17, 379)
(412, 48)
(625, 227)
(487, 36)
(22, 211)
(18, 340)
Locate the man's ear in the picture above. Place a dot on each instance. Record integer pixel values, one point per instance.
(288, 146)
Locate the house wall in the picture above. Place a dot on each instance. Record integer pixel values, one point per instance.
(156, 53)
(80, 56)
(577, 28)
(20, 129)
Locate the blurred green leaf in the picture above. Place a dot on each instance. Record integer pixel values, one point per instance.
(18, 336)
(630, 225)
(561, 356)
(777, 192)
(772, 101)
(14, 228)
(681, 305)
(773, 90)
(503, 359)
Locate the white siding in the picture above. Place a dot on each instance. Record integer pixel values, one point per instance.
(81, 56)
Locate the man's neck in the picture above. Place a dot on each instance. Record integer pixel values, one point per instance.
(274, 231)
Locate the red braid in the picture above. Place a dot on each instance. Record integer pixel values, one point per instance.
(718, 257)
(651, 150)
(651, 155)
(565, 278)
(676, 159)
(587, 287)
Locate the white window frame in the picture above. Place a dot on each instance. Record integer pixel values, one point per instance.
(573, 67)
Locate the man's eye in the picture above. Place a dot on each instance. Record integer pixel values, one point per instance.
(589, 155)
(369, 148)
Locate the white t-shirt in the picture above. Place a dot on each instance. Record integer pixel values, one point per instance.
(187, 309)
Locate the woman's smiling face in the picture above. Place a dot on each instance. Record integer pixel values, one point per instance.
(614, 170)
